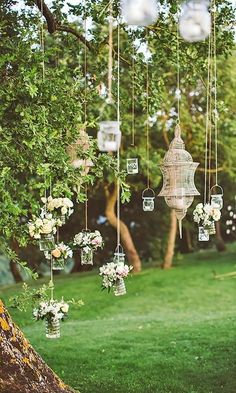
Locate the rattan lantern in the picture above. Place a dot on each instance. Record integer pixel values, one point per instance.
(178, 171)
(139, 12)
(109, 136)
(195, 21)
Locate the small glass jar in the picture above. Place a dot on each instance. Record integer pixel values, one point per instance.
(119, 288)
(47, 242)
(148, 196)
(58, 263)
(119, 255)
(109, 136)
(87, 257)
(52, 328)
(203, 234)
(132, 166)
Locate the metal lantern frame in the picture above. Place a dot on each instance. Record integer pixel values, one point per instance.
(148, 200)
(119, 255)
(217, 198)
(132, 166)
(178, 170)
(195, 21)
(109, 136)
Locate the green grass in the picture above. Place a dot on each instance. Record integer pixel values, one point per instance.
(174, 332)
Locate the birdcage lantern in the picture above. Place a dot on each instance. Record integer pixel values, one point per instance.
(119, 255)
(132, 166)
(217, 197)
(109, 136)
(139, 12)
(148, 197)
(178, 171)
(195, 21)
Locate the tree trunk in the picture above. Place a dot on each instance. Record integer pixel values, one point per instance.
(21, 368)
(15, 272)
(189, 245)
(171, 242)
(220, 244)
(127, 241)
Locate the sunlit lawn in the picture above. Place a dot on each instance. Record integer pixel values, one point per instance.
(174, 332)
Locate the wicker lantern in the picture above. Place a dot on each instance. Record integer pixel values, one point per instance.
(195, 21)
(178, 171)
(109, 136)
(139, 12)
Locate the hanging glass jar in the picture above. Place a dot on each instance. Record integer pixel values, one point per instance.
(52, 328)
(58, 263)
(119, 288)
(119, 255)
(109, 136)
(195, 21)
(132, 166)
(139, 12)
(203, 234)
(211, 229)
(87, 256)
(217, 198)
(148, 196)
(47, 242)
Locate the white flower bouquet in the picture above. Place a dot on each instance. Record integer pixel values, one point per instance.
(43, 225)
(205, 215)
(113, 273)
(51, 310)
(61, 207)
(87, 240)
(60, 253)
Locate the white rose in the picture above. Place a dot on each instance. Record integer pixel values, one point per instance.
(64, 210)
(46, 228)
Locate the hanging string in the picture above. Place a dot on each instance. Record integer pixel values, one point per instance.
(85, 104)
(110, 57)
(208, 96)
(133, 95)
(42, 44)
(215, 93)
(147, 120)
(118, 120)
(178, 77)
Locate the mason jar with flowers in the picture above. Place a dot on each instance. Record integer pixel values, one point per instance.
(53, 312)
(43, 229)
(206, 216)
(88, 242)
(113, 275)
(59, 256)
(61, 208)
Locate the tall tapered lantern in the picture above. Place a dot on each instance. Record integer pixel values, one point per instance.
(178, 171)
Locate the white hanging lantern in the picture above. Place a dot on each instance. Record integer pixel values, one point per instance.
(195, 21)
(119, 255)
(203, 234)
(139, 12)
(132, 166)
(217, 199)
(109, 136)
(148, 196)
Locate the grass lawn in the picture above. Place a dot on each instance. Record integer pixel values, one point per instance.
(174, 332)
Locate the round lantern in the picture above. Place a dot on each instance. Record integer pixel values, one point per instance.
(195, 21)
(109, 136)
(217, 197)
(178, 171)
(139, 12)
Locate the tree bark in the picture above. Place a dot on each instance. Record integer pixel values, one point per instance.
(127, 241)
(21, 368)
(189, 245)
(220, 244)
(15, 272)
(168, 259)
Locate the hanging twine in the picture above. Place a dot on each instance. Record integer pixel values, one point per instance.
(215, 93)
(208, 120)
(110, 57)
(178, 77)
(42, 44)
(147, 127)
(133, 96)
(118, 120)
(85, 105)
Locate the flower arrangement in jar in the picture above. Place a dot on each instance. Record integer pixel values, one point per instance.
(113, 275)
(43, 228)
(61, 208)
(206, 216)
(59, 255)
(52, 312)
(88, 242)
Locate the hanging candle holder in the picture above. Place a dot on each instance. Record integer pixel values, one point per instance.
(178, 171)
(139, 12)
(47, 242)
(120, 288)
(148, 197)
(217, 197)
(195, 21)
(132, 166)
(58, 263)
(52, 328)
(109, 136)
(87, 256)
(211, 229)
(119, 255)
(203, 234)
